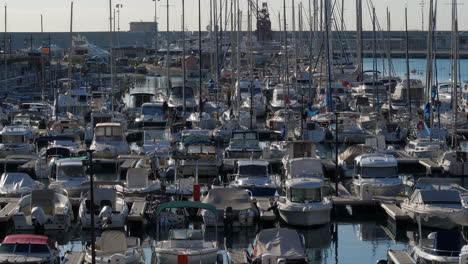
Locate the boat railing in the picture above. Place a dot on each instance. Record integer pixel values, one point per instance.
(440, 252)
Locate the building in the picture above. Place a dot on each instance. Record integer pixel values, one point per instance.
(147, 27)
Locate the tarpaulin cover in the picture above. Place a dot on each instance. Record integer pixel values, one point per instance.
(282, 242)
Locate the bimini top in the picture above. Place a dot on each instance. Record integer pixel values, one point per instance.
(376, 160)
(28, 239)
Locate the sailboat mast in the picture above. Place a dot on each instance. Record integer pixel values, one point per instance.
(70, 61)
(429, 68)
(184, 70)
(249, 23)
(408, 82)
(454, 71)
(200, 110)
(111, 58)
(389, 58)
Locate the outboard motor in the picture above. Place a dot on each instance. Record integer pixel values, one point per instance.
(38, 218)
(228, 218)
(105, 215)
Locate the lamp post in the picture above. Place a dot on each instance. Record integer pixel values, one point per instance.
(89, 163)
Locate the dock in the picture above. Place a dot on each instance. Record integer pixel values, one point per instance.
(73, 257)
(399, 257)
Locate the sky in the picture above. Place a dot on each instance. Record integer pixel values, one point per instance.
(93, 15)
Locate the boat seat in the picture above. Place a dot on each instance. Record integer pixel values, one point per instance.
(113, 241)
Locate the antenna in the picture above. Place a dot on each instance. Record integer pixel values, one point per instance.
(422, 4)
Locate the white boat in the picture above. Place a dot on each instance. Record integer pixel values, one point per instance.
(278, 245)
(283, 120)
(152, 114)
(416, 91)
(312, 132)
(437, 208)
(17, 184)
(109, 141)
(69, 174)
(441, 247)
(281, 99)
(25, 248)
(43, 209)
(304, 203)
(15, 140)
(376, 175)
(189, 243)
(346, 158)
(253, 175)
(348, 129)
(235, 202)
(305, 167)
(200, 159)
(454, 162)
(114, 247)
(176, 101)
(110, 209)
(244, 144)
(424, 148)
(138, 183)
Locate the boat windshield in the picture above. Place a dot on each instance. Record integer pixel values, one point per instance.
(109, 133)
(379, 172)
(7, 248)
(152, 110)
(201, 149)
(305, 195)
(186, 234)
(252, 171)
(155, 135)
(11, 139)
(75, 171)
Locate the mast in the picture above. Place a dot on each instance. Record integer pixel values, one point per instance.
(184, 74)
(327, 46)
(168, 54)
(429, 68)
(408, 82)
(111, 58)
(5, 52)
(249, 25)
(359, 55)
(200, 110)
(374, 63)
(70, 61)
(311, 57)
(389, 58)
(454, 71)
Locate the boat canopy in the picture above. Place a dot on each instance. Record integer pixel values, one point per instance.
(282, 242)
(237, 198)
(28, 239)
(185, 204)
(15, 181)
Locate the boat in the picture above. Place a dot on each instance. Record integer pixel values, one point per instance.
(15, 140)
(151, 115)
(304, 203)
(253, 175)
(110, 209)
(200, 159)
(17, 184)
(43, 209)
(114, 247)
(235, 207)
(26, 248)
(437, 208)
(425, 148)
(138, 183)
(454, 162)
(347, 157)
(176, 99)
(282, 99)
(441, 247)
(69, 174)
(283, 120)
(188, 243)
(244, 144)
(276, 245)
(312, 131)
(376, 175)
(109, 141)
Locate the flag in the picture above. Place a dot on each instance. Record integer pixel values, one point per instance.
(427, 110)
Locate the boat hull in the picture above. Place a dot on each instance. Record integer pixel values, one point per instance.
(304, 216)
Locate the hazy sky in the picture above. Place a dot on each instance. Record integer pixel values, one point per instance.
(93, 15)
